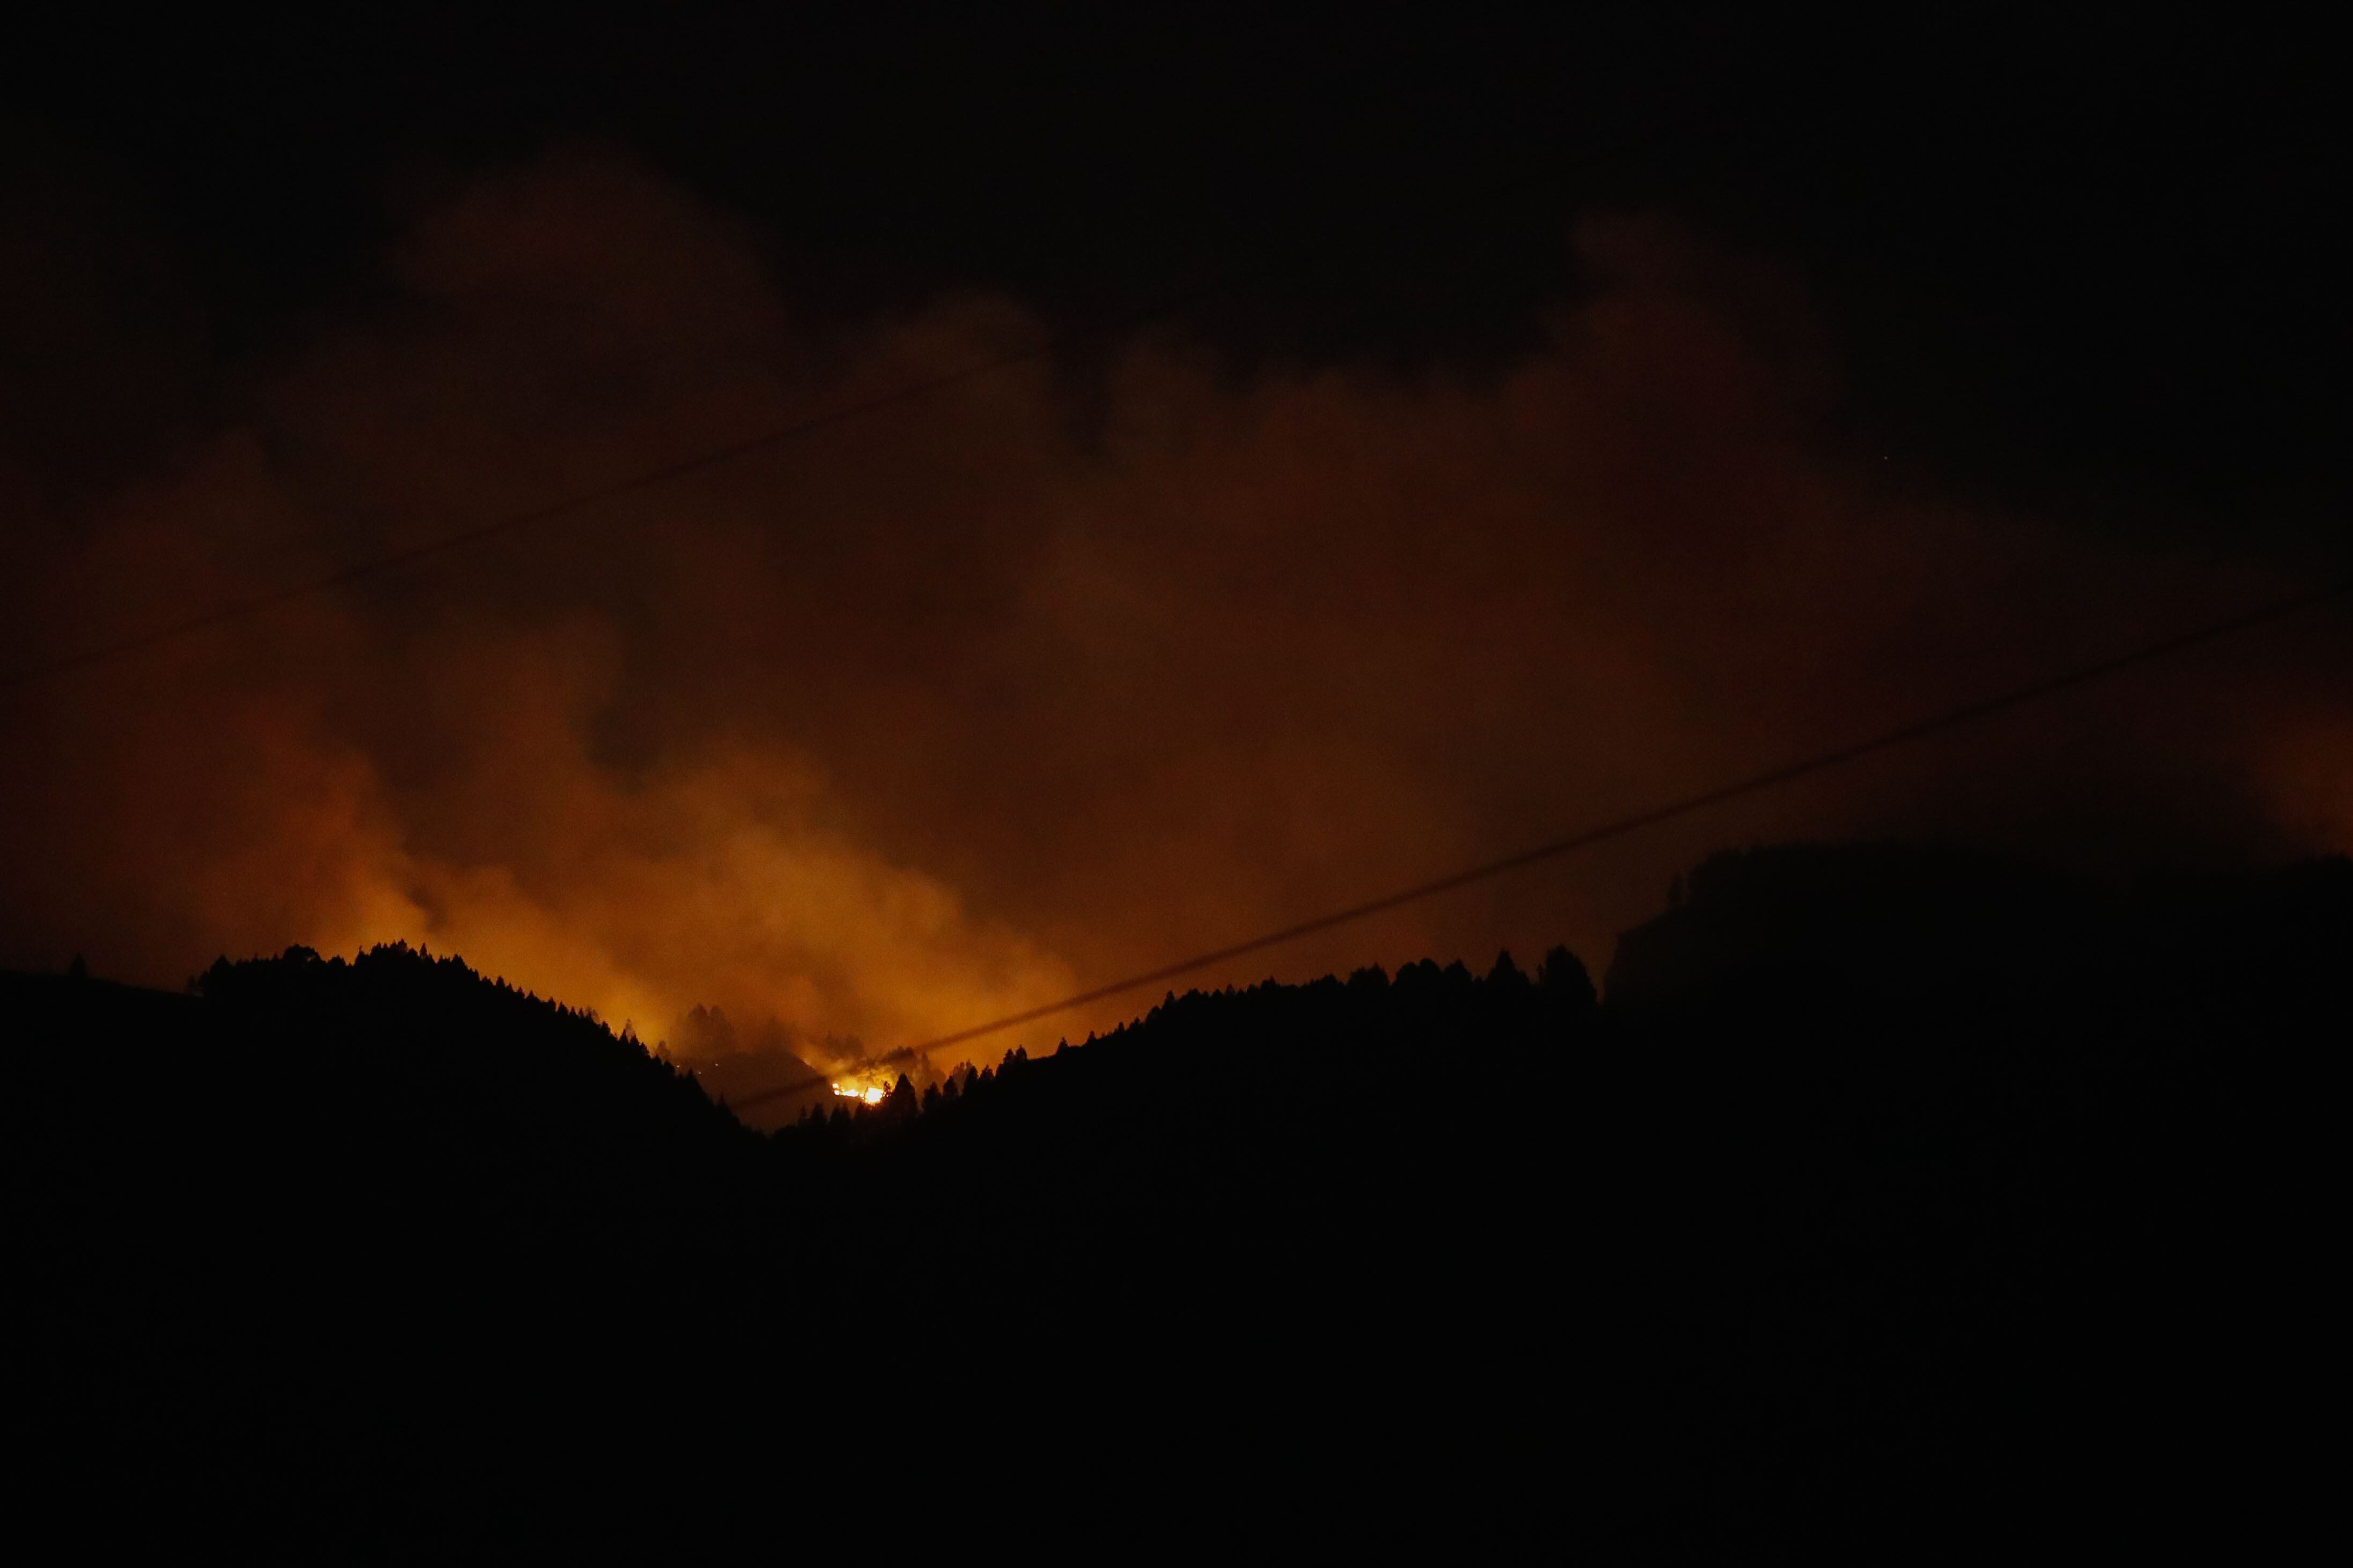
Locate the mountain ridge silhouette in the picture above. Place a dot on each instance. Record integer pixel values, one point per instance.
(1878, 1175)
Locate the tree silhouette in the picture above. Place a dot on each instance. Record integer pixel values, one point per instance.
(1567, 987)
(1881, 1177)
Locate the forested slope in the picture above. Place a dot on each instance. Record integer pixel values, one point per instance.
(1888, 1191)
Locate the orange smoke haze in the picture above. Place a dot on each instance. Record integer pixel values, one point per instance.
(999, 693)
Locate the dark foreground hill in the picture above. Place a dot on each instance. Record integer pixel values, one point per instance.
(1892, 1199)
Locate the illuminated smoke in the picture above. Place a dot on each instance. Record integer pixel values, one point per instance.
(961, 706)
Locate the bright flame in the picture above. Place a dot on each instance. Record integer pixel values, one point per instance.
(871, 1093)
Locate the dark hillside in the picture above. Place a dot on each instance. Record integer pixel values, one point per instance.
(1891, 1199)
(1885, 1177)
(321, 1222)
(1838, 922)
(2018, 1177)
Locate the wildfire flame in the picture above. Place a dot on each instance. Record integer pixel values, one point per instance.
(871, 1093)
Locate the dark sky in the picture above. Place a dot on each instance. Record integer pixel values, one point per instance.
(1572, 373)
(2081, 253)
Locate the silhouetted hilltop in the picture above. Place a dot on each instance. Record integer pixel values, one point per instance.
(1843, 920)
(398, 1101)
(1797, 972)
(417, 1051)
(320, 1225)
(1851, 919)
(1932, 1173)
(1884, 1177)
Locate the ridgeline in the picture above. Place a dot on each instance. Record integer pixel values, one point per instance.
(1890, 1197)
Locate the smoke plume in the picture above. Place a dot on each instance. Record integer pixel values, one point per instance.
(999, 692)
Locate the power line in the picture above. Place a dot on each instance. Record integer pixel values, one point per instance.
(712, 458)
(1162, 307)
(1786, 772)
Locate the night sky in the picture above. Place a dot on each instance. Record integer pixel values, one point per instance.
(1569, 416)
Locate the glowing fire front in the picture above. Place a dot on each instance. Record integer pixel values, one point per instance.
(869, 1083)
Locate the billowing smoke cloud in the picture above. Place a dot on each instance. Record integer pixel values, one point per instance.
(959, 706)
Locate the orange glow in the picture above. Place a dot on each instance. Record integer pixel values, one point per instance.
(962, 710)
